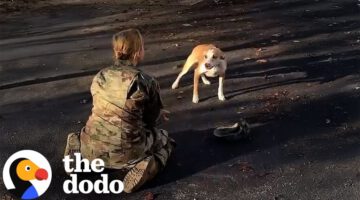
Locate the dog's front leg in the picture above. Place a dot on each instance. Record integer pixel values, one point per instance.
(205, 80)
(196, 86)
(221, 87)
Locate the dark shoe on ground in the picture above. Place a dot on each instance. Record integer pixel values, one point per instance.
(240, 130)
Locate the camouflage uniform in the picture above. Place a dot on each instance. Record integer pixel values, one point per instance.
(121, 129)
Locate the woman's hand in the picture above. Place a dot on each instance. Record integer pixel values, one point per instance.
(164, 115)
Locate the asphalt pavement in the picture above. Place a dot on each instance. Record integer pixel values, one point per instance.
(293, 74)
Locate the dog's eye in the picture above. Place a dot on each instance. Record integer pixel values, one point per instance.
(205, 56)
(222, 57)
(214, 57)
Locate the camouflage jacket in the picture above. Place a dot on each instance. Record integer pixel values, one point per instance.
(126, 107)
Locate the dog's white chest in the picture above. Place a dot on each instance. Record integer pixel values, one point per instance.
(213, 72)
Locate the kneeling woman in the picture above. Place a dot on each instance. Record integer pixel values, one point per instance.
(126, 108)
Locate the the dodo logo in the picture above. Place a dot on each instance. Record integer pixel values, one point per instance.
(27, 174)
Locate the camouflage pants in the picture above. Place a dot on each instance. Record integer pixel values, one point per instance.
(157, 143)
(163, 145)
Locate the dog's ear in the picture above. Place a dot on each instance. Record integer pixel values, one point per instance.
(222, 55)
(115, 37)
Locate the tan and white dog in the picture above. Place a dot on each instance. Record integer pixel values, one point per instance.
(207, 60)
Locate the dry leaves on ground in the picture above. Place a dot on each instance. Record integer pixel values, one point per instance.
(262, 61)
(149, 196)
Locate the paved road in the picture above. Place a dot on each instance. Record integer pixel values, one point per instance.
(293, 74)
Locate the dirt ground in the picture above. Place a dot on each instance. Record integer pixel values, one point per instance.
(293, 74)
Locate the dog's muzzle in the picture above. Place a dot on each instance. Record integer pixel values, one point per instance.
(208, 66)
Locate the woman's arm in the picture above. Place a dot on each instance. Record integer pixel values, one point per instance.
(154, 105)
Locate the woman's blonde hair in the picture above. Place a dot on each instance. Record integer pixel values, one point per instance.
(127, 45)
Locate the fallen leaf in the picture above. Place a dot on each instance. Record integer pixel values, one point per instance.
(258, 51)
(262, 61)
(149, 196)
(326, 60)
(276, 35)
(245, 167)
(284, 92)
